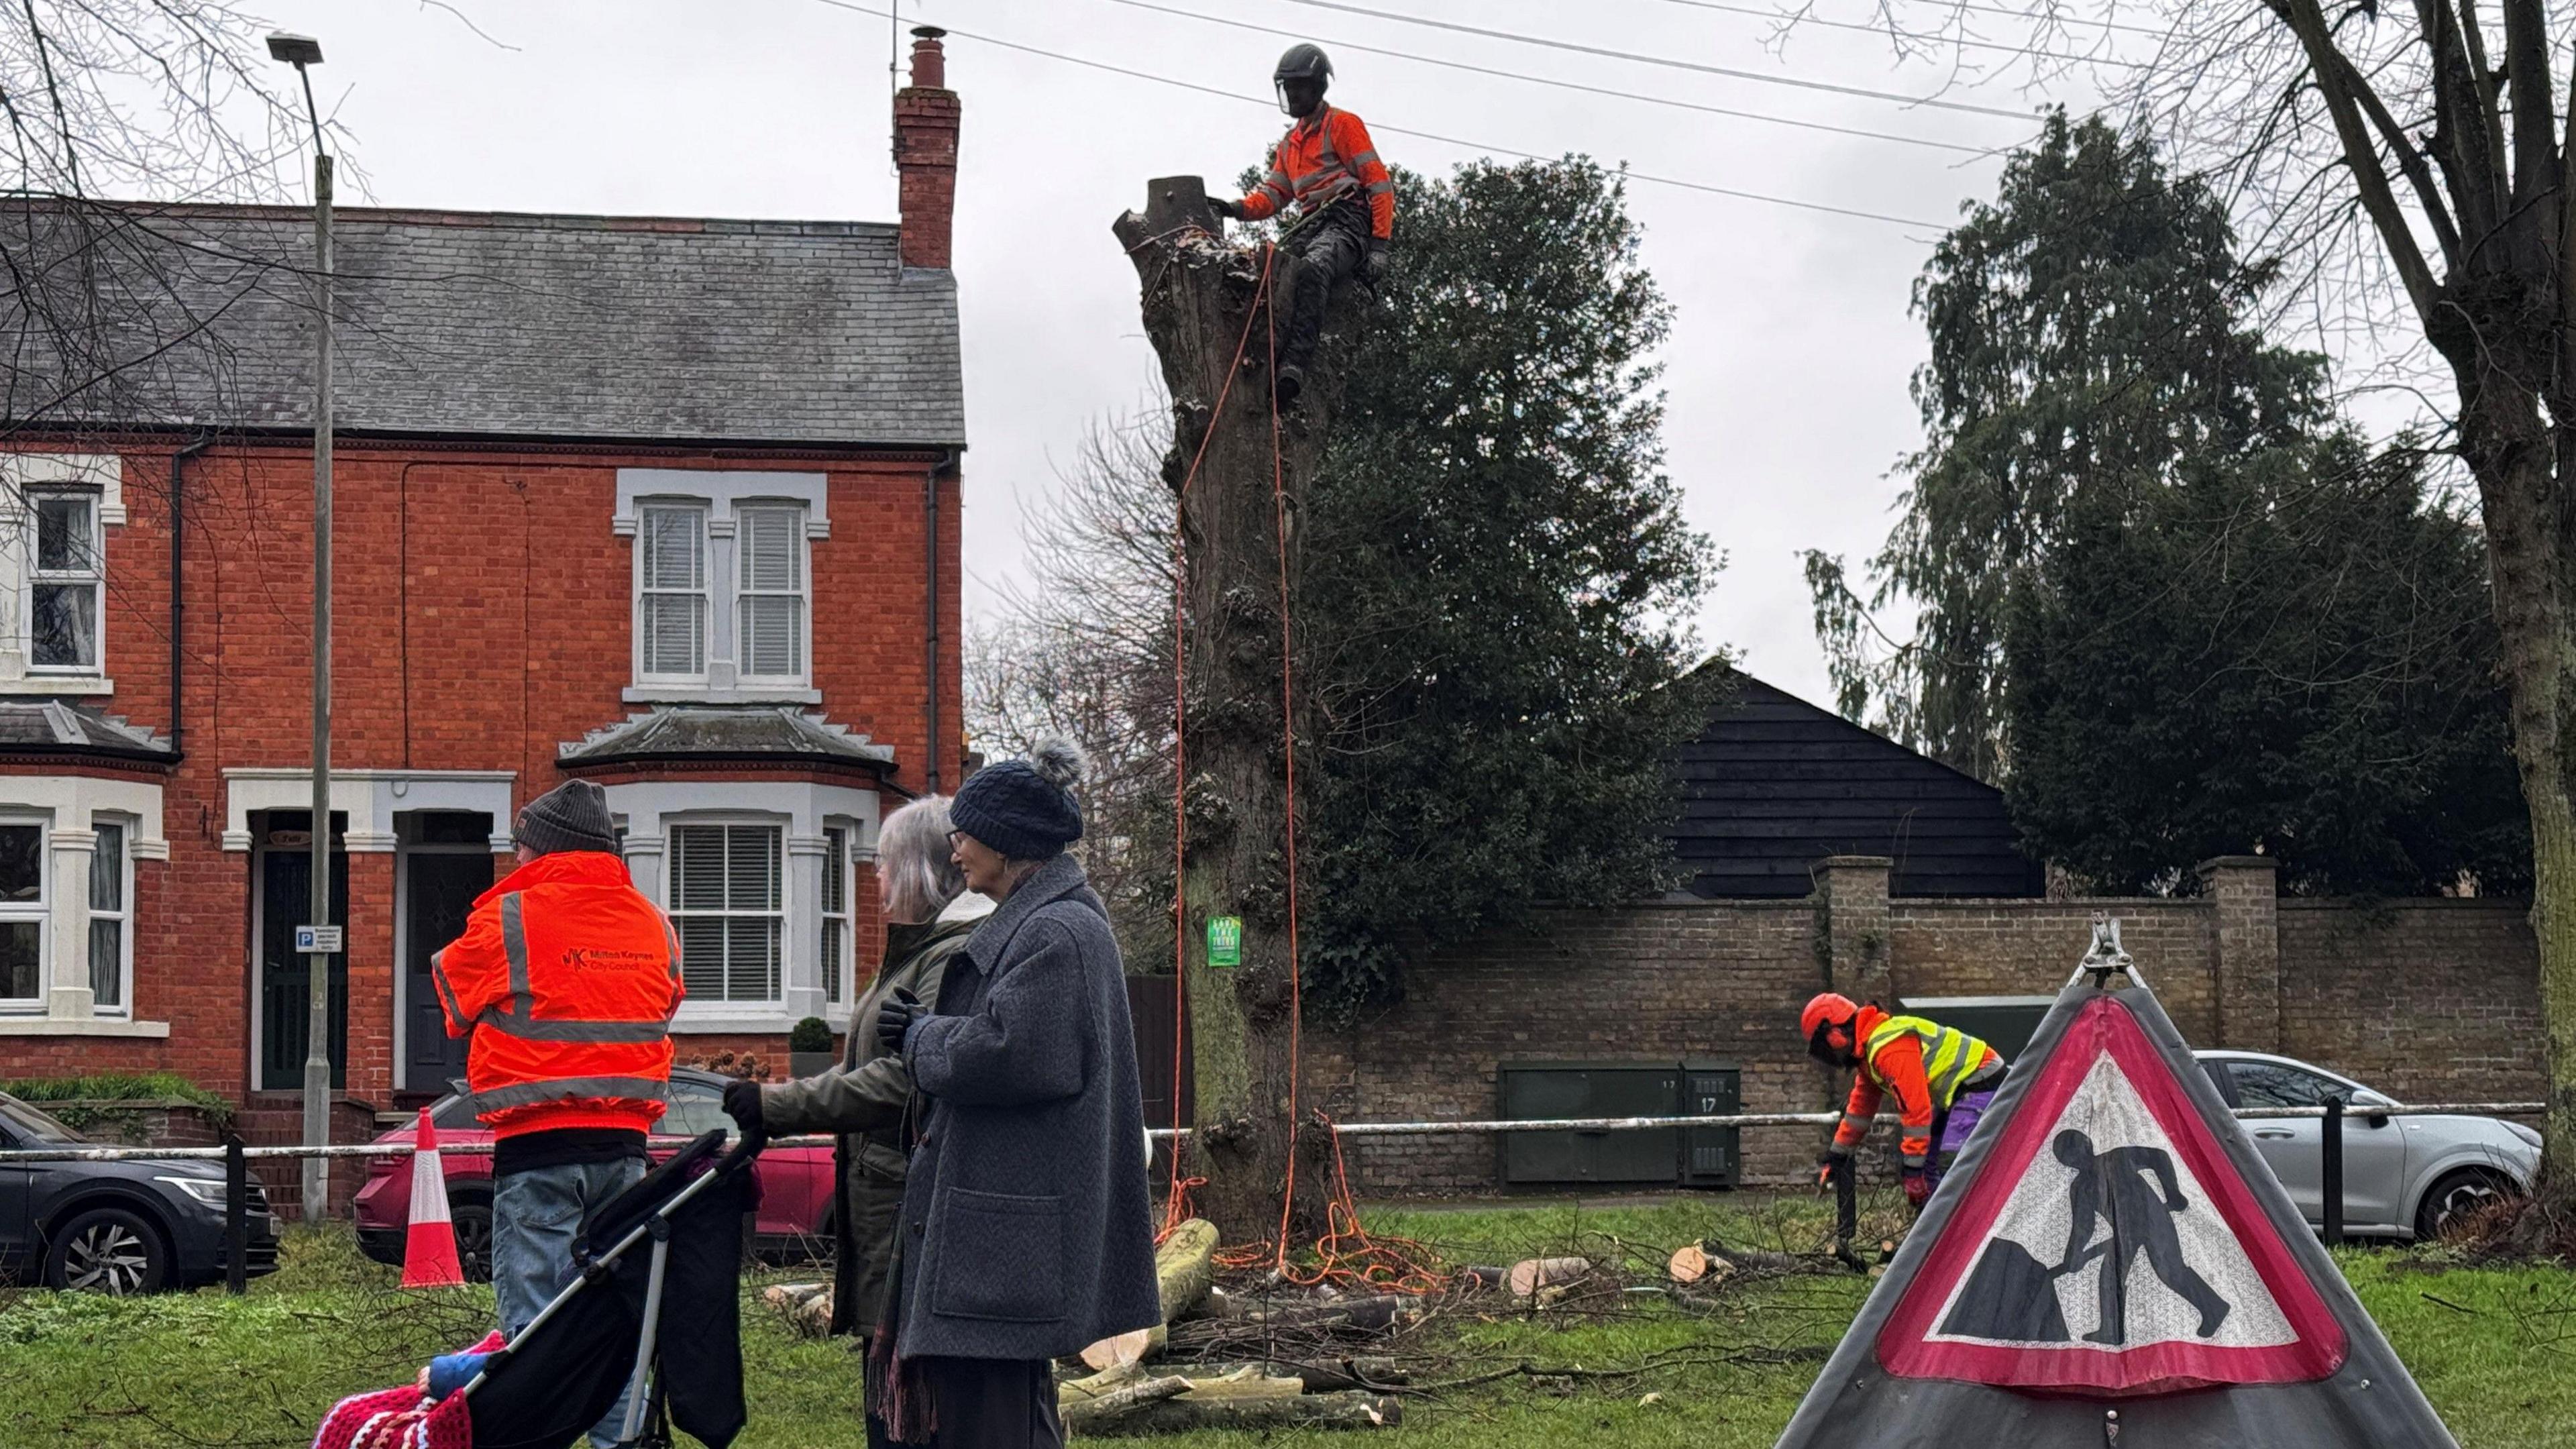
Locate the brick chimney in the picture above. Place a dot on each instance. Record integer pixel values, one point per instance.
(925, 152)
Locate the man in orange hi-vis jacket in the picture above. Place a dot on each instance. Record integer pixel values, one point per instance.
(565, 979)
(1345, 201)
(1943, 1078)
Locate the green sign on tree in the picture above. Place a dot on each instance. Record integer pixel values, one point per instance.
(1225, 941)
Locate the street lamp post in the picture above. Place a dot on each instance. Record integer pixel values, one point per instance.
(302, 51)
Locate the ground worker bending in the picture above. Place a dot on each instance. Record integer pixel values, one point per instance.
(565, 979)
(1345, 203)
(1943, 1079)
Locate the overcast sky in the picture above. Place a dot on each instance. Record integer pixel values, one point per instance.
(1792, 344)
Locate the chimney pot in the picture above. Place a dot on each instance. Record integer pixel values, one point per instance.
(929, 58)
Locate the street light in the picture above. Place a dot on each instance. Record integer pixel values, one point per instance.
(302, 51)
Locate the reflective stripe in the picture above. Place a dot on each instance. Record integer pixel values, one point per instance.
(529, 1094)
(446, 991)
(514, 944)
(1914, 1161)
(1856, 1119)
(1950, 1056)
(1279, 179)
(1380, 188)
(1360, 160)
(525, 1029)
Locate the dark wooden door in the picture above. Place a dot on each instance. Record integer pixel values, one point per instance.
(285, 885)
(438, 891)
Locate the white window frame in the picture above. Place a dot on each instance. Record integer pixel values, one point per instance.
(726, 496)
(40, 910)
(36, 577)
(704, 593)
(126, 827)
(779, 914)
(834, 945)
(802, 593)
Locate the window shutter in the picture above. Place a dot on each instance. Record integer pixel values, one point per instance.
(673, 612)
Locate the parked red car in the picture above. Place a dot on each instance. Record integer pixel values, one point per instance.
(795, 1217)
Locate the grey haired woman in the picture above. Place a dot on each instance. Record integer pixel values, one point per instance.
(929, 914)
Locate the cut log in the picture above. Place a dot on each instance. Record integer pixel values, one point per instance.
(1094, 1415)
(1126, 1350)
(1346, 1315)
(1688, 1264)
(1474, 1280)
(1094, 1385)
(1530, 1275)
(1331, 1376)
(1185, 1268)
(1188, 1412)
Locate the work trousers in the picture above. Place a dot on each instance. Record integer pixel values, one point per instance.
(1322, 251)
(536, 1214)
(986, 1403)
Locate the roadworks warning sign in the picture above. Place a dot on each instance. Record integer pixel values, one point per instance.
(2110, 1262)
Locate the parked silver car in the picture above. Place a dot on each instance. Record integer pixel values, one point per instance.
(2402, 1176)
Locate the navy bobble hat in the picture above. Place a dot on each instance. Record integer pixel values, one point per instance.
(1023, 808)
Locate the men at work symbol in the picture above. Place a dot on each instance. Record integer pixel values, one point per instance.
(2011, 1296)
(2113, 1185)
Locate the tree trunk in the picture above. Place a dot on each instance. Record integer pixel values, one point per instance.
(1201, 309)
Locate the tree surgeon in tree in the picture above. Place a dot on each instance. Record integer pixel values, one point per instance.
(2114, 1185)
(1327, 167)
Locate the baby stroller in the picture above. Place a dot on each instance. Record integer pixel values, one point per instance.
(665, 1321)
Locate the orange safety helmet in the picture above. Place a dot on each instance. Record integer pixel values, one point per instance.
(1829, 1023)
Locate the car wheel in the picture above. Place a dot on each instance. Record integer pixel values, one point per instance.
(107, 1250)
(472, 1219)
(2457, 1196)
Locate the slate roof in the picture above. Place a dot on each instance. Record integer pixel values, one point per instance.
(726, 732)
(484, 324)
(60, 727)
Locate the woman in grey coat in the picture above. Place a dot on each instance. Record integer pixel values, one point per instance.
(1027, 1230)
(928, 913)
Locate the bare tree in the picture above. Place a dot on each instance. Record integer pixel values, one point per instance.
(2416, 166)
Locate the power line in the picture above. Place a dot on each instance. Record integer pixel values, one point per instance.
(1664, 60)
(1863, 26)
(1266, 102)
(1565, 84)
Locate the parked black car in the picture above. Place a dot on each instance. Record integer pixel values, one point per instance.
(132, 1226)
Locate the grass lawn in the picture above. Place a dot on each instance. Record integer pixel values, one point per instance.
(2494, 1348)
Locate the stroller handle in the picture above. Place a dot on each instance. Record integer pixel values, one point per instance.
(749, 1146)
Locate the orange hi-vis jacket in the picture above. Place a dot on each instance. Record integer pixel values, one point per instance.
(566, 978)
(1923, 1063)
(1324, 158)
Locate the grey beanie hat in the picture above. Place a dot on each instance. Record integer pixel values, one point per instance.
(571, 816)
(1024, 808)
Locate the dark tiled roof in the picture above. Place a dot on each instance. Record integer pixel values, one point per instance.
(726, 732)
(59, 727)
(489, 325)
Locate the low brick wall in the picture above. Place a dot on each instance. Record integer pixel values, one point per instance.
(152, 1122)
(2428, 1000)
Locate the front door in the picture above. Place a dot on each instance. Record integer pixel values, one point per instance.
(438, 891)
(285, 886)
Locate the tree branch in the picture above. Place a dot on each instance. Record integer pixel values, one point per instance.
(2335, 78)
(2535, 106)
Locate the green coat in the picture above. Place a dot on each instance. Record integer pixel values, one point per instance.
(864, 1100)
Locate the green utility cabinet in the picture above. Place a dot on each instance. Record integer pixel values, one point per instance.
(1693, 1157)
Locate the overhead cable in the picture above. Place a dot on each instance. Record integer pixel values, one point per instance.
(1563, 84)
(1930, 42)
(1670, 62)
(1267, 102)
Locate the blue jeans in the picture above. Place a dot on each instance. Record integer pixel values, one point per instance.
(535, 1216)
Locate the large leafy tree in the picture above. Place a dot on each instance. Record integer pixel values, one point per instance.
(2165, 597)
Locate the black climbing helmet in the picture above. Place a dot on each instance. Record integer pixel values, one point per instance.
(1302, 62)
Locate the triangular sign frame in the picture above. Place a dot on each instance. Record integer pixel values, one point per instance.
(2298, 1363)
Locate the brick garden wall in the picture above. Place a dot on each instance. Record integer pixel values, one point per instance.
(2429, 1000)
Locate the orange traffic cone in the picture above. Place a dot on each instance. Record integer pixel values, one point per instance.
(429, 1246)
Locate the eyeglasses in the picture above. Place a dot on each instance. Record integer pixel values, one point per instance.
(955, 836)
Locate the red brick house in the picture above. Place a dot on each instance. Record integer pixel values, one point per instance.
(672, 505)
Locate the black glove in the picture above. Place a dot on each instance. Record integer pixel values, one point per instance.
(742, 1104)
(896, 1017)
(1226, 207)
(1373, 265)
